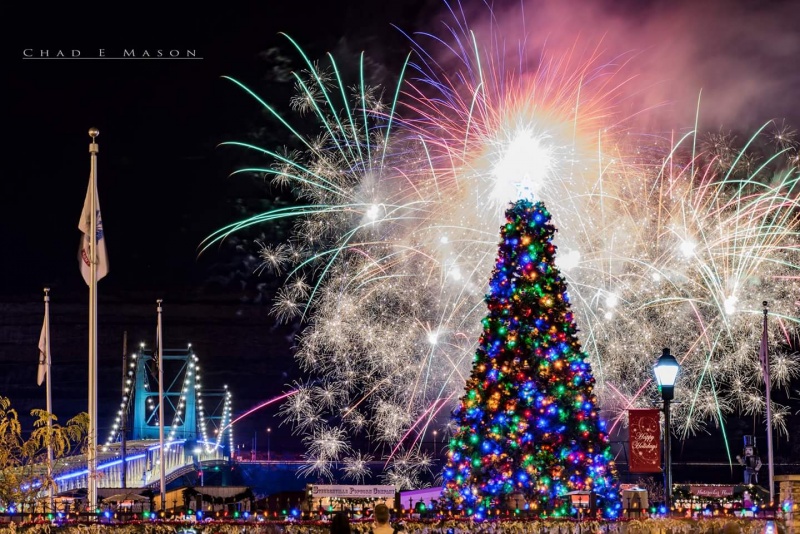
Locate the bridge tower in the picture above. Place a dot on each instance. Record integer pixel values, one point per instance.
(180, 395)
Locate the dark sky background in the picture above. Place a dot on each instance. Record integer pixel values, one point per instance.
(164, 184)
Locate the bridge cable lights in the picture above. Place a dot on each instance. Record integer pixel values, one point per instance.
(220, 432)
(230, 418)
(116, 428)
(200, 409)
(177, 417)
(227, 421)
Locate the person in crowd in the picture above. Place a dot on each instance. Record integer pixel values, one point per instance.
(381, 524)
(340, 524)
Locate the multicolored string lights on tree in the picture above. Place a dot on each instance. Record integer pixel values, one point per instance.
(529, 421)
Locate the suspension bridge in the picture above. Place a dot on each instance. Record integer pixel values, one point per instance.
(197, 426)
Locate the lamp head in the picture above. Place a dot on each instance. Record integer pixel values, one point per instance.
(666, 371)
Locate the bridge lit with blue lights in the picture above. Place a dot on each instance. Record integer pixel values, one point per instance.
(193, 413)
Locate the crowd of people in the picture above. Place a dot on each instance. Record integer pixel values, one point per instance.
(340, 523)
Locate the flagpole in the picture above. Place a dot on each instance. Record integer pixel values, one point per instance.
(161, 410)
(92, 452)
(124, 417)
(49, 398)
(768, 387)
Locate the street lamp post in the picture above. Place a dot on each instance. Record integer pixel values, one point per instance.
(269, 435)
(435, 433)
(666, 371)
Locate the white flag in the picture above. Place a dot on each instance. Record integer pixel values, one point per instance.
(43, 356)
(85, 226)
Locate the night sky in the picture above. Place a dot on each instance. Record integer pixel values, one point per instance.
(163, 182)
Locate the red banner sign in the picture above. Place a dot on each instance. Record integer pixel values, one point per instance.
(644, 440)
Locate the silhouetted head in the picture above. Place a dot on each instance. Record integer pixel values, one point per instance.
(382, 514)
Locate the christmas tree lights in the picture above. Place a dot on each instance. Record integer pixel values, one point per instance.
(529, 423)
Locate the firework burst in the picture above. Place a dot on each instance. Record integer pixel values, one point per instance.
(395, 239)
(677, 250)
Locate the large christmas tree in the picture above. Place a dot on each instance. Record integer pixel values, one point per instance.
(529, 422)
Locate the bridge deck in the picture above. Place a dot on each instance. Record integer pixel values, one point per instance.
(143, 465)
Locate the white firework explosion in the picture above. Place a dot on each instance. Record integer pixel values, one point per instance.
(392, 249)
(356, 467)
